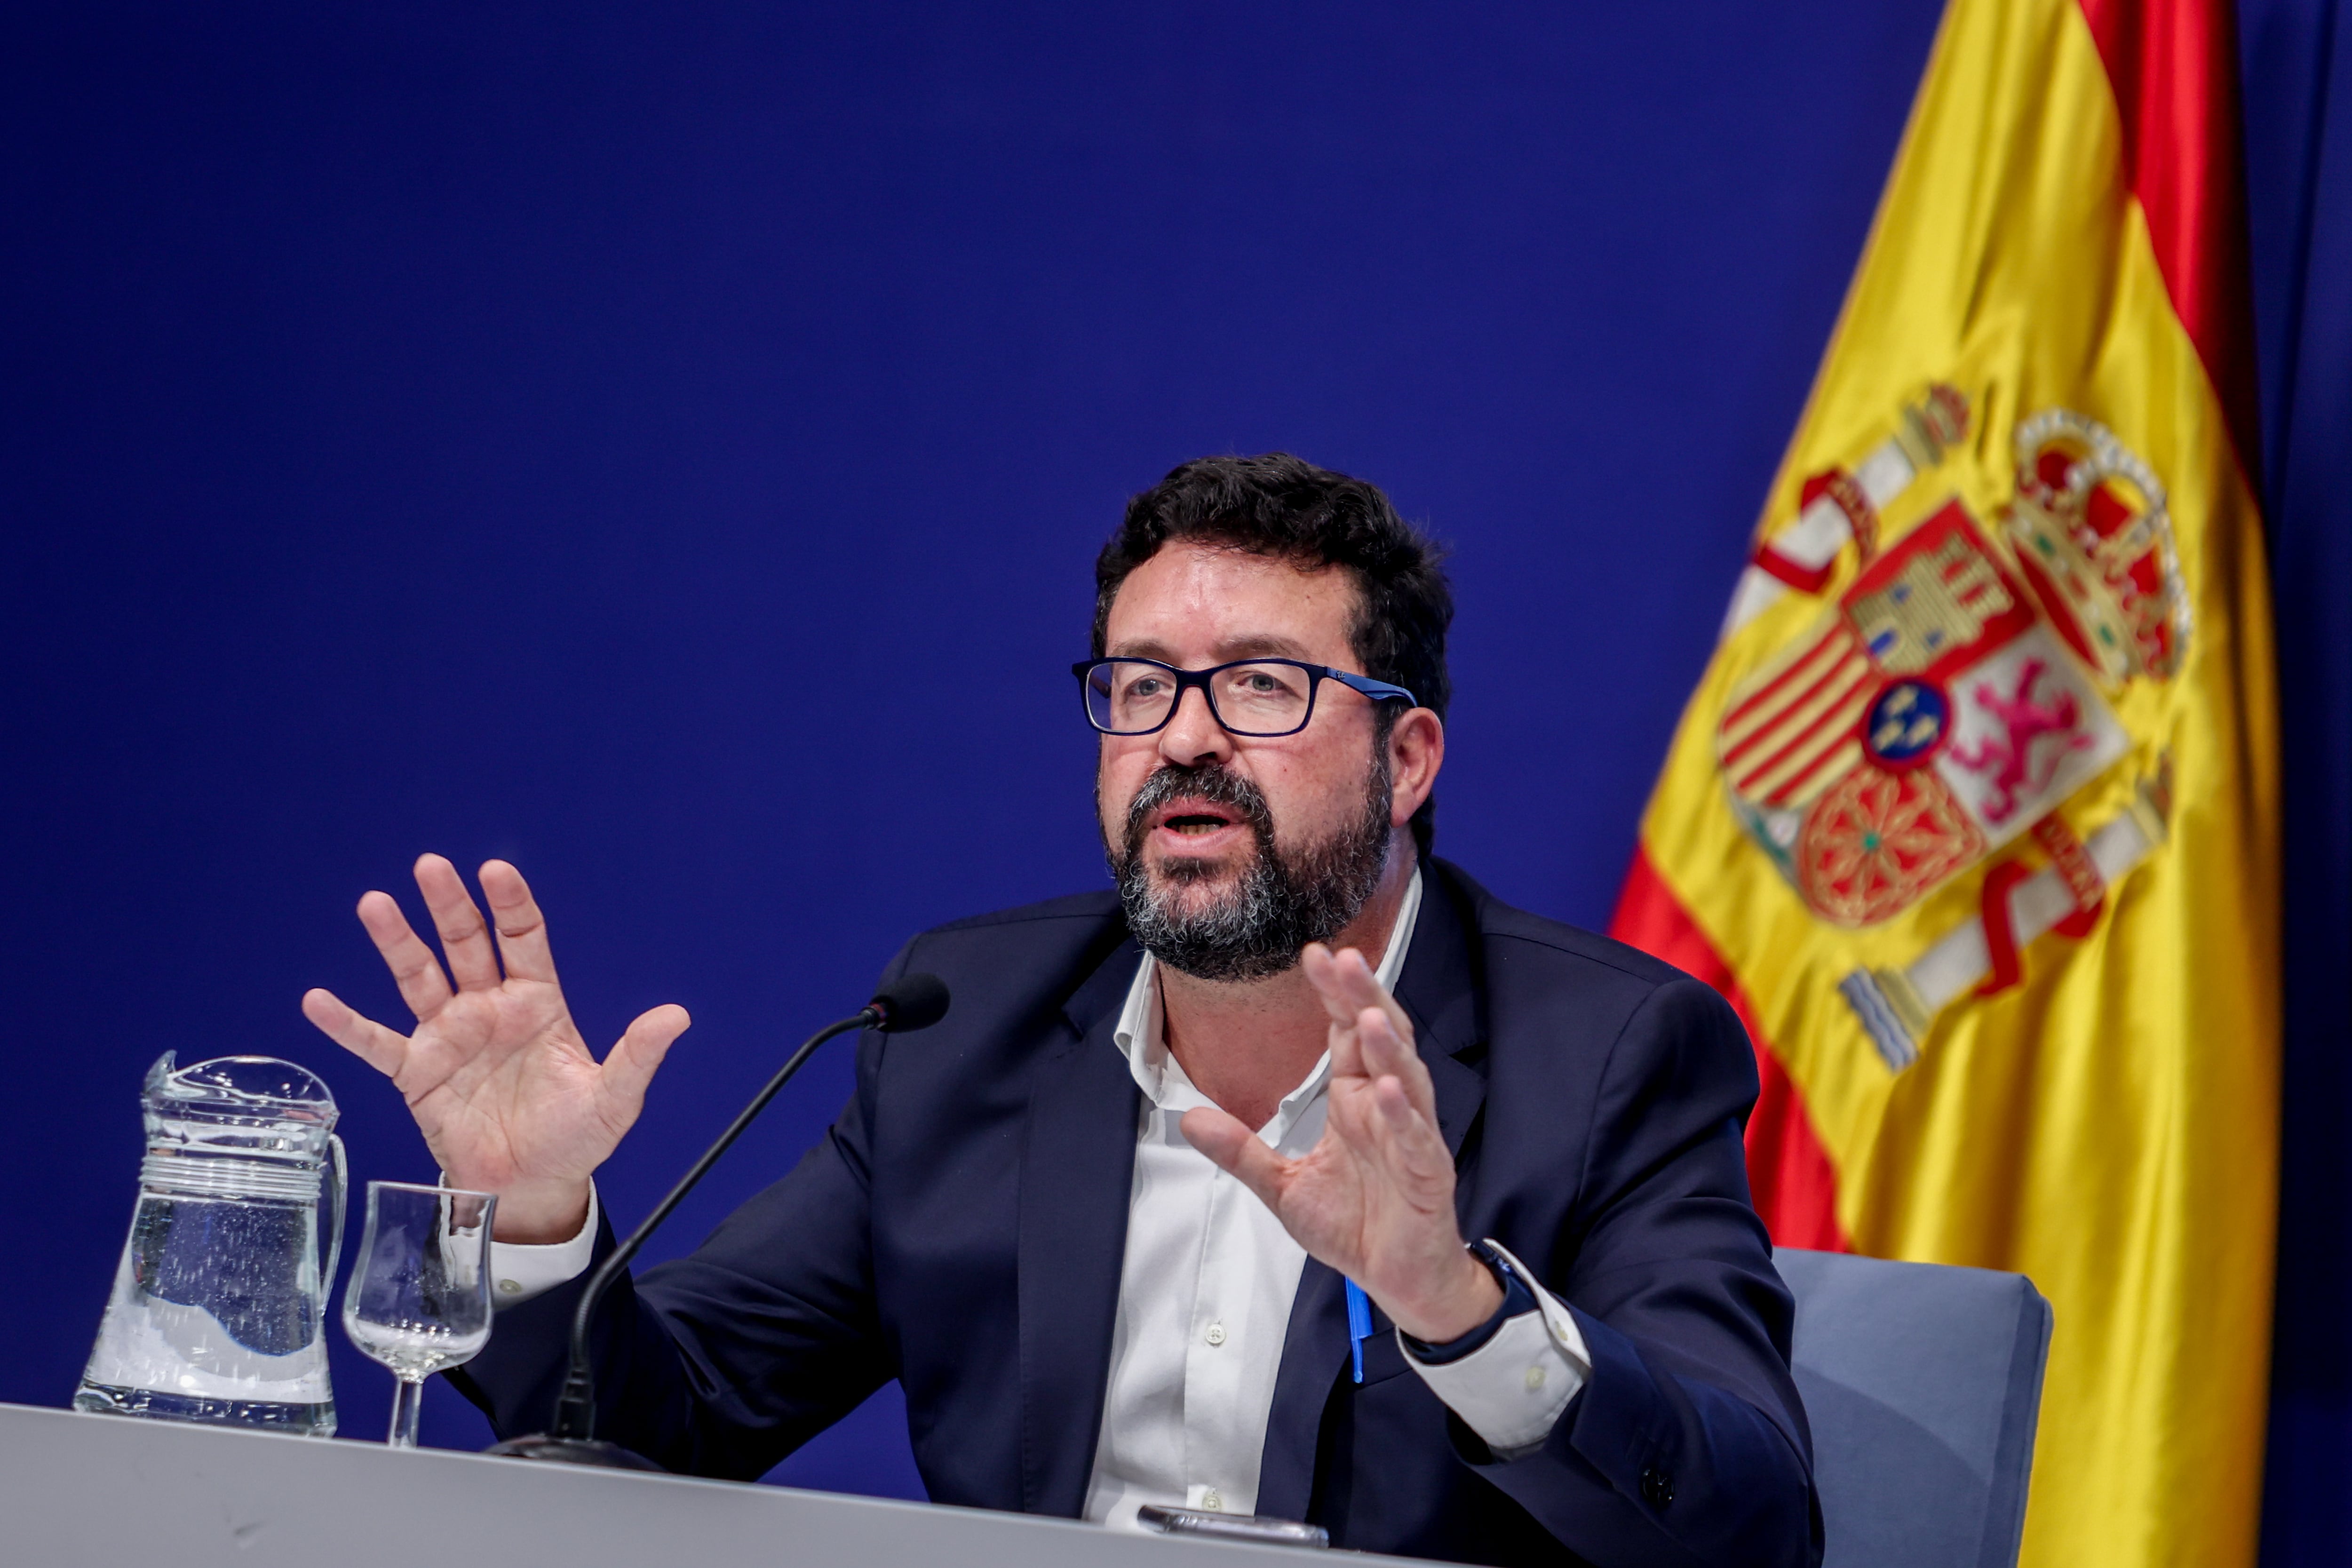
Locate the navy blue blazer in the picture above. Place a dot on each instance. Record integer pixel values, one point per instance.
(961, 1229)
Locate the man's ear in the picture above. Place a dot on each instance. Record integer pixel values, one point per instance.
(1416, 751)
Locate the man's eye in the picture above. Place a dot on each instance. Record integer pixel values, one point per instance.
(1149, 687)
(1263, 685)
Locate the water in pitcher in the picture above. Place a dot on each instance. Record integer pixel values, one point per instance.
(218, 1308)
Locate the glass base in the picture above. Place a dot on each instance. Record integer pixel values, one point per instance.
(259, 1415)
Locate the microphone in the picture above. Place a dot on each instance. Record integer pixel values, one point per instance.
(909, 1003)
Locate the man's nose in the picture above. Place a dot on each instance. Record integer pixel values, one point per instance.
(1193, 736)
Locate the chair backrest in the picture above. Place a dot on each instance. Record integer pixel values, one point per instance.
(1923, 1385)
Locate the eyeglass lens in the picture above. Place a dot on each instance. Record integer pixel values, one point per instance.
(1128, 697)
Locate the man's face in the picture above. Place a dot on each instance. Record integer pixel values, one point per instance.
(1233, 851)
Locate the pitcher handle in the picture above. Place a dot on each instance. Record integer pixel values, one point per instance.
(342, 1190)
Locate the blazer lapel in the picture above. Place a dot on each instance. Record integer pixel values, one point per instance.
(1438, 989)
(1077, 1175)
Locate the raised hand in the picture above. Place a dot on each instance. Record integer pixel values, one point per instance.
(1374, 1197)
(507, 1093)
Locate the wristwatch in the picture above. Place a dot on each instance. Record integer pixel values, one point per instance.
(1518, 1297)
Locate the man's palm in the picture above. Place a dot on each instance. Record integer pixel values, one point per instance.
(504, 1088)
(1374, 1197)
(1349, 1199)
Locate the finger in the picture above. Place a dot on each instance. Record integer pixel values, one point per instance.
(1321, 967)
(381, 1048)
(413, 968)
(1408, 1138)
(629, 1065)
(1348, 987)
(1347, 1057)
(1358, 977)
(522, 930)
(1381, 1123)
(465, 939)
(1412, 1132)
(1385, 1053)
(1236, 1150)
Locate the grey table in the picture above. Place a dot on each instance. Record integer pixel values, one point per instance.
(105, 1491)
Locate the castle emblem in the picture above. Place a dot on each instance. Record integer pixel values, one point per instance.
(1933, 721)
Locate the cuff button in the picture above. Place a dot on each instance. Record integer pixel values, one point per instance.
(1657, 1486)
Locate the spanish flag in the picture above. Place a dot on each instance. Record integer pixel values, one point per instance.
(1974, 814)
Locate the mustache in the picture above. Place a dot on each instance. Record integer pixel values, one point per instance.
(1210, 782)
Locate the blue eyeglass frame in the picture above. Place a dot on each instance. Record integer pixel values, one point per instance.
(1317, 674)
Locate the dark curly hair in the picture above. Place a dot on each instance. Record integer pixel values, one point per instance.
(1278, 505)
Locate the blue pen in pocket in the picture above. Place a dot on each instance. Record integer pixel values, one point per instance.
(1360, 1325)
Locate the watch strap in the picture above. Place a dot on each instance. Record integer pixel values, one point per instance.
(1518, 1298)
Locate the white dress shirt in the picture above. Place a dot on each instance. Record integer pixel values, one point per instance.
(1205, 1298)
(1205, 1292)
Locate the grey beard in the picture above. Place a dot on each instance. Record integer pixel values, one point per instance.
(1283, 902)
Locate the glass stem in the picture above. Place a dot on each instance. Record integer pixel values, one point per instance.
(407, 1405)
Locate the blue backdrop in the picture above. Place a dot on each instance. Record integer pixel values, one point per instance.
(562, 432)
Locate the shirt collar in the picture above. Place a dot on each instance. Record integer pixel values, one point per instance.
(1142, 1035)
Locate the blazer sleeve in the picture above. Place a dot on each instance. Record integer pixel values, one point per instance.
(1689, 1433)
(723, 1362)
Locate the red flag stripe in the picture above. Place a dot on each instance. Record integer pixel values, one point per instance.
(1835, 726)
(1839, 681)
(1789, 1174)
(2174, 68)
(1837, 647)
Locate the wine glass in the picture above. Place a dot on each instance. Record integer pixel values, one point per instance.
(419, 1299)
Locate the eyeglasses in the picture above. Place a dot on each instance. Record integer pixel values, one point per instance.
(1260, 698)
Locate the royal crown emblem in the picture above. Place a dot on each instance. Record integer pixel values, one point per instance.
(1954, 695)
(2092, 538)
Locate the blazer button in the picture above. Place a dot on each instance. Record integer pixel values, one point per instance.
(1657, 1486)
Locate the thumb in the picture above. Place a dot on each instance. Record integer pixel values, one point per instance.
(1236, 1150)
(629, 1065)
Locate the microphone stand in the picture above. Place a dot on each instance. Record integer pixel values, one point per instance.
(571, 1439)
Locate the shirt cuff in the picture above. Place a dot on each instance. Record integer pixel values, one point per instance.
(1512, 1389)
(518, 1272)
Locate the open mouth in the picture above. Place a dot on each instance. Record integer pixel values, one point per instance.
(1193, 822)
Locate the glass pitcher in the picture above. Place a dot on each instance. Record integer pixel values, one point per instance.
(219, 1306)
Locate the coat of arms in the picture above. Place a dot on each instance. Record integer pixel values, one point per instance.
(1955, 694)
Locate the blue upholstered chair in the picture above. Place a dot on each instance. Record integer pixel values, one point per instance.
(1923, 1385)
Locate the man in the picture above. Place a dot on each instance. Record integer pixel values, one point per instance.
(1100, 1223)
